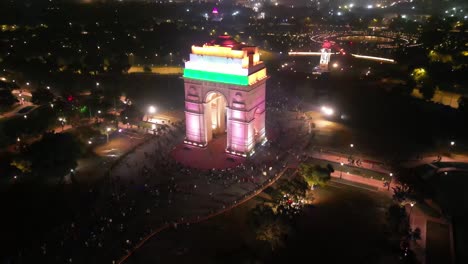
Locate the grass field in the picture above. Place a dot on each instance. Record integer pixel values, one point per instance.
(344, 225)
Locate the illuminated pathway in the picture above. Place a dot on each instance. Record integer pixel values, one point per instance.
(358, 56)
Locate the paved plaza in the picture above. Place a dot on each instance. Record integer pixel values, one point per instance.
(148, 188)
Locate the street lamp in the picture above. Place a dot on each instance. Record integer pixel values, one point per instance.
(151, 110)
(411, 210)
(452, 143)
(327, 110)
(107, 133)
(390, 183)
(62, 121)
(341, 171)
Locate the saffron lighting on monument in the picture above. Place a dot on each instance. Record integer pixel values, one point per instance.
(225, 85)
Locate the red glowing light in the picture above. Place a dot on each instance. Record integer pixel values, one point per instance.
(326, 44)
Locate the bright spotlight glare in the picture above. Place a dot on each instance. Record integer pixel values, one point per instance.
(327, 110)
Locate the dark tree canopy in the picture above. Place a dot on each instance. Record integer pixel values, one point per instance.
(131, 114)
(63, 151)
(42, 96)
(314, 174)
(7, 99)
(428, 89)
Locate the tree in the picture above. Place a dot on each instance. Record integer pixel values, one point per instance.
(274, 233)
(268, 227)
(42, 96)
(314, 174)
(463, 104)
(403, 194)
(22, 165)
(7, 99)
(131, 114)
(428, 89)
(397, 220)
(63, 152)
(147, 69)
(296, 187)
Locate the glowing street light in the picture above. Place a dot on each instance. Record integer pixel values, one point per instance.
(152, 109)
(351, 145)
(341, 171)
(452, 143)
(62, 120)
(335, 65)
(107, 133)
(97, 84)
(411, 210)
(327, 110)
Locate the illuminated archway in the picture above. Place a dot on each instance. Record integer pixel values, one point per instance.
(215, 113)
(225, 84)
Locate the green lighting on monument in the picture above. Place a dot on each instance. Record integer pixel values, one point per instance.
(216, 77)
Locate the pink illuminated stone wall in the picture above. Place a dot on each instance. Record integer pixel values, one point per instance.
(245, 112)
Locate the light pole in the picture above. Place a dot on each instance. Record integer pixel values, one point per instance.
(151, 110)
(411, 210)
(341, 171)
(452, 145)
(390, 183)
(62, 121)
(351, 146)
(107, 133)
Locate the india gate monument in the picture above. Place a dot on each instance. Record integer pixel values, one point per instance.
(225, 93)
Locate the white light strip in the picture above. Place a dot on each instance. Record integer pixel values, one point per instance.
(372, 58)
(304, 53)
(215, 67)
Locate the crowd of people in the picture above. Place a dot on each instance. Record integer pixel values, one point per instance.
(147, 188)
(152, 193)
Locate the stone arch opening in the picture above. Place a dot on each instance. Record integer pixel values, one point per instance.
(215, 114)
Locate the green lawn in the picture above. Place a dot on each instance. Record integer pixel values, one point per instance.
(344, 225)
